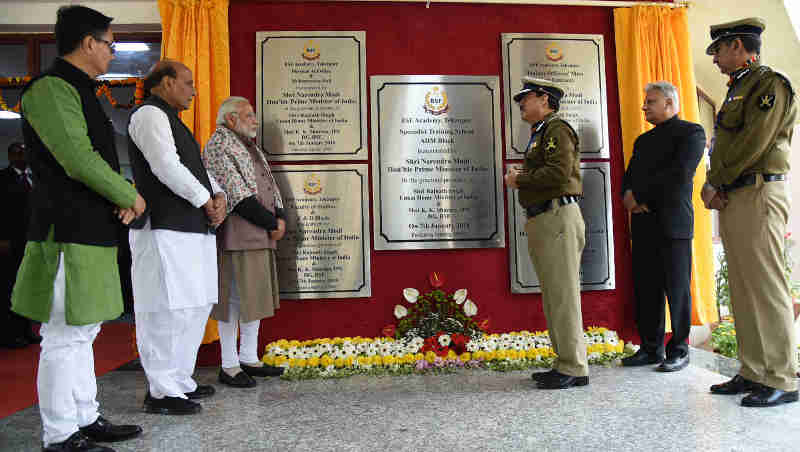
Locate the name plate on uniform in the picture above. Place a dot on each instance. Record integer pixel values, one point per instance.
(326, 251)
(577, 64)
(597, 262)
(311, 94)
(436, 162)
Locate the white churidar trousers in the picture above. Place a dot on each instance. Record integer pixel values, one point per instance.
(248, 348)
(66, 381)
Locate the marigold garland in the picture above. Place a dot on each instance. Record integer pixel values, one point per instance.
(104, 90)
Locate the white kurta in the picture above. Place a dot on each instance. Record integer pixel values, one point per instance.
(171, 269)
(174, 273)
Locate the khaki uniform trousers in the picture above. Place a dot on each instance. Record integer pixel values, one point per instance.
(752, 226)
(555, 242)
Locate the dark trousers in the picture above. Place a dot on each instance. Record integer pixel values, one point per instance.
(661, 267)
(12, 325)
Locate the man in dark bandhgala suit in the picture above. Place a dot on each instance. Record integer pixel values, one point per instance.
(657, 191)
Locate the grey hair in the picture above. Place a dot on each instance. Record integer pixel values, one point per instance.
(668, 90)
(229, 105)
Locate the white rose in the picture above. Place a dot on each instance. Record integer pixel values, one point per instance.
(400, 311)
(469, 308)
(460, 296)
(410, 294)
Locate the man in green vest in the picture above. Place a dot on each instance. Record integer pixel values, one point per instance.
(746, 183)
(550, 187)
(68, 279)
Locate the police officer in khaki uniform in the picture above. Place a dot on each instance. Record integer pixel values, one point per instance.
(749, 162)
(549, 189)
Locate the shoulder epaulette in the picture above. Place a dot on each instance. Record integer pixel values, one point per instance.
(766, 71)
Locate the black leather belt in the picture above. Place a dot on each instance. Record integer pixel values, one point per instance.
(536, 209)
(750, 179)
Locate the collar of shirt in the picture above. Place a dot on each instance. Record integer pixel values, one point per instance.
(19, 172)
(75, 75)
(537, 127)
(667, 122)
(743, 70)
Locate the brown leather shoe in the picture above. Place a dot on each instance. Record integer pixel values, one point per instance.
(736, 385)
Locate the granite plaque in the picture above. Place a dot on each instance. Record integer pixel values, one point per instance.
(326, 251)
(577, 64)
(436, 162)
(597, 263)
(311, 94)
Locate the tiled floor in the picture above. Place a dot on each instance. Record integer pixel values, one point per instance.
(620, 410)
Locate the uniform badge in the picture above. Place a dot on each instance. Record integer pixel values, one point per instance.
(551, 145)
(767, 101)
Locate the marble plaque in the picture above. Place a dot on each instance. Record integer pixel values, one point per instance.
(326, 251)
(597, 263)
(436, 162)
(311, 94)
(577, 64)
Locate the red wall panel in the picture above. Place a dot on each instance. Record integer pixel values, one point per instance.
(455, 39)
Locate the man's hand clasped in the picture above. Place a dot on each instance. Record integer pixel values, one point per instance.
(277, 234)
(629, 201)
(511, 178)
(712, 198)
(132, 213)
(215, 209)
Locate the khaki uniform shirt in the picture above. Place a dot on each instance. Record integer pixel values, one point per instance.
(753, 130)
(552, 163)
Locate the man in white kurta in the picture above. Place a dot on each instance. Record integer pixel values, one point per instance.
(174, 271)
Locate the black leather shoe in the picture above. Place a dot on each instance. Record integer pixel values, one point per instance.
(170, 406)
(241, 380)
(557, 380)
(103, 431)
(539, 376)
(201, 392)
(736, 385)
(263, 371)
(767, 396)
(642, 358)
(76, 443)
(674, 363)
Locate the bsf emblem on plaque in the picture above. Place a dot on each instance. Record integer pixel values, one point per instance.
(312, 185)
(436, 101)
(553, 52)
(310, 52)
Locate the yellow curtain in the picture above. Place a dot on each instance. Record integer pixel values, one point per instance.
(653, 44)
(195, 32)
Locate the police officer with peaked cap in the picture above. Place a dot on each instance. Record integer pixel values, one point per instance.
(746, 183)
(550, 187)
